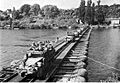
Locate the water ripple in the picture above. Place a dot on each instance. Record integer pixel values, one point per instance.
(22, 45)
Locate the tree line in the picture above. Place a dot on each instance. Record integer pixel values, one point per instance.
(89, 13)
(96, 13)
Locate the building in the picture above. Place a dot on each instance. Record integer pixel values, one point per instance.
(115, 21)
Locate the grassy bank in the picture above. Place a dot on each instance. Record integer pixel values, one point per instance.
(42, 23)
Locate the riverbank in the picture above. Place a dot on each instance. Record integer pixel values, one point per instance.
(41, 23)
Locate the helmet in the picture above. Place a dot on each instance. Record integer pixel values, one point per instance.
(39, 64)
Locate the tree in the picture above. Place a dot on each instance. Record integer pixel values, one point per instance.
(50, 11)
(93, 13)
(3, 15)
(82, 11)
(25, 9)
(16, 14)
(35, 9)
(105, 9)
(113, 11)
(88, 12)
(99, 14)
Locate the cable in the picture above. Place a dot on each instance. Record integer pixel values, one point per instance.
(103, 64)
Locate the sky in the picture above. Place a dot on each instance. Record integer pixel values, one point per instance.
(63, 4)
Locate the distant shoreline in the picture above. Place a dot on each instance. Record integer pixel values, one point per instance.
(41, 24)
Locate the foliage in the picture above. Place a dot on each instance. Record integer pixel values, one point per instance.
(3, 16)
(25, 9)
(113, 11)
(34, 17)
(93, 13)
(16, 14)
(81, 9)
(88, 12)
(105, 9)
(50, 11)
(99, 14)
(35, 9)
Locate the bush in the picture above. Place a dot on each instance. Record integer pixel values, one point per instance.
(42, 26)
(24, 26)
(33, 26)
(16, 24)
(50, 11)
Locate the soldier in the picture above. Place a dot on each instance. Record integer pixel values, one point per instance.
(40, 47)
(33, 46)
(57, 39)
(41, 71)
(39, 42)
(25, 59)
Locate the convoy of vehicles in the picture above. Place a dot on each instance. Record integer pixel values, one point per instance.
(37, 61)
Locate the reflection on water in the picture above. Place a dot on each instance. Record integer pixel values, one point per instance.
(14, 43)
(104, 47)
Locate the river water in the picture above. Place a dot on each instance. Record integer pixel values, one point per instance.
(104, 49)
(15, 43)
(104, 53)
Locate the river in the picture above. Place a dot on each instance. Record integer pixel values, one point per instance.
(15, 43)
(104, 54)
(104, 49)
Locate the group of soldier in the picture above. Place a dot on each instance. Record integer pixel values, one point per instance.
(41, 46)
(38, 46)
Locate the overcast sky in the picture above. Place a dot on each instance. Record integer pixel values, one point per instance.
(64, 4)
